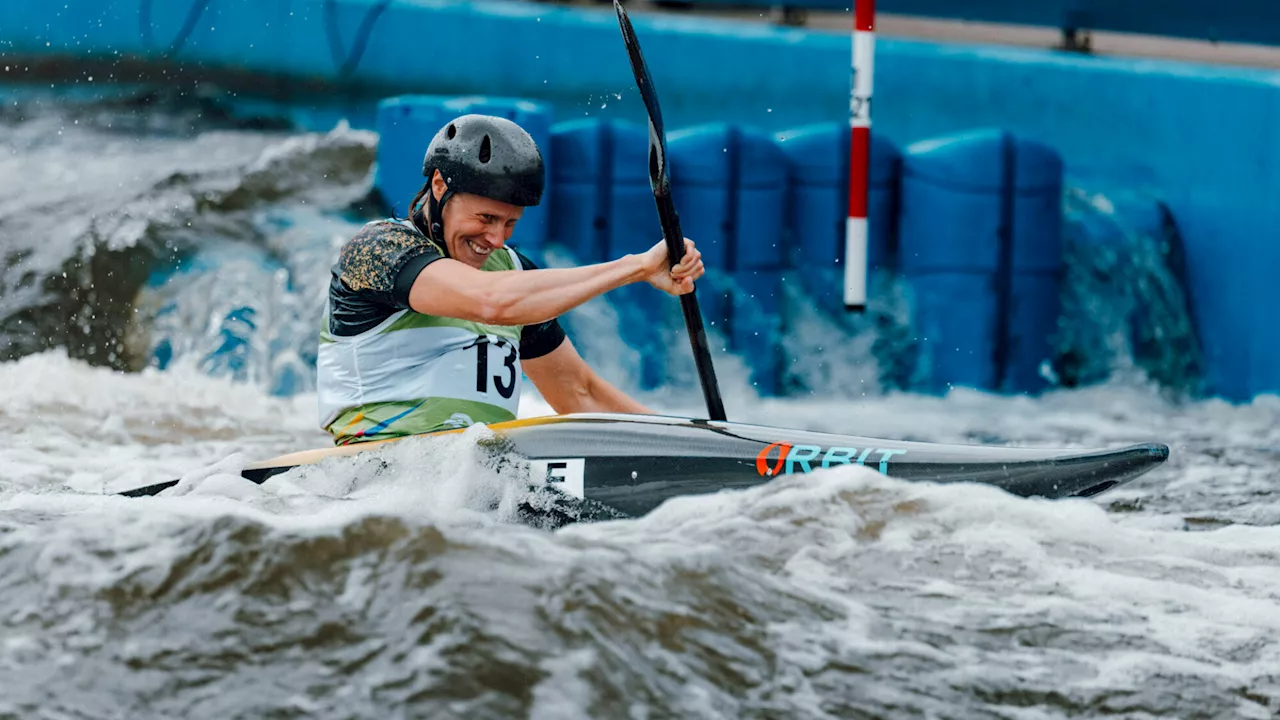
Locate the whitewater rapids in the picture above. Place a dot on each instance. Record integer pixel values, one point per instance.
(360, 590)
(397, 585)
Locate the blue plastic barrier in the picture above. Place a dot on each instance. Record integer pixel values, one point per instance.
(981, 250)
(818, 157)
(579, 192)
(249, 34)
(634, 228)
(1035, 266)
(601, 204)
(950, 254)
(730, 187)
(335, 39)
(703, 165)
(406, 126)
(601, 209)
(756, 310)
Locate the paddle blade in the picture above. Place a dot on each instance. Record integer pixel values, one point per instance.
(659, 178)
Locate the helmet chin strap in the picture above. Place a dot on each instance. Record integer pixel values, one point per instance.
(435, 216)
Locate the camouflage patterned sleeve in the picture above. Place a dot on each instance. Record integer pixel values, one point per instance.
(363, 287)
(371, 261)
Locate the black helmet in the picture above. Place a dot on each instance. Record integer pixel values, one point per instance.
(487, 156)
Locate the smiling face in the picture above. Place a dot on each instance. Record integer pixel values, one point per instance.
(475, 226)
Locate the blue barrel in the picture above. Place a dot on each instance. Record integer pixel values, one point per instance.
(633, 217)
(1035, 265)
(818, 162)
(703, 164)
(632, 227)
(761, 184)
(579, 193)
(981, 247)
(760, 257)
(950, 251)
(730, 184)
(601, 209)
(406, 125)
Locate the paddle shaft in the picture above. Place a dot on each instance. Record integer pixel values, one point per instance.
(660, 181)
(692, 314)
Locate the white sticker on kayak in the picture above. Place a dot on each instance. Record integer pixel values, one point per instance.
(567, 476)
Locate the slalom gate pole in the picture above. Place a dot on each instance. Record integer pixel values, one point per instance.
(860, 90)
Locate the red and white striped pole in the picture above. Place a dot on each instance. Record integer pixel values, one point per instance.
(855, 241)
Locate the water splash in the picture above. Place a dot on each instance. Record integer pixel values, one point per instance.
(1125, 309)
(91, 216)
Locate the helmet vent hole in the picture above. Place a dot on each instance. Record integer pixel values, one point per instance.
(453, 131)
(486, 149)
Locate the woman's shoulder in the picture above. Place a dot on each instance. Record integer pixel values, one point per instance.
(384, 237)
(387, 230)
(374, 255)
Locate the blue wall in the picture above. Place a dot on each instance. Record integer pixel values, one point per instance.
(1204, 139)
(572, 57)
(1241, 21)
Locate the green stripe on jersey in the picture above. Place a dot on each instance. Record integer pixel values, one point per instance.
(412, 320)
(411, 417)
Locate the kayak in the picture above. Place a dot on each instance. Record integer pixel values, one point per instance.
(616, 465)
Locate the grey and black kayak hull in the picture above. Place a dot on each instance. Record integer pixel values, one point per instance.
(634, 463)
(627, 465)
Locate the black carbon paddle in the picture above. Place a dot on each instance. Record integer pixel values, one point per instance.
(660, 181)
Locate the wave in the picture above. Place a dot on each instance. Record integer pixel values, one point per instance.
(841, 593)
(97, 201)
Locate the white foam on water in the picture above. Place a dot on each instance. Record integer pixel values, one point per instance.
(93, 430)
(969, 592)
(897, 560)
